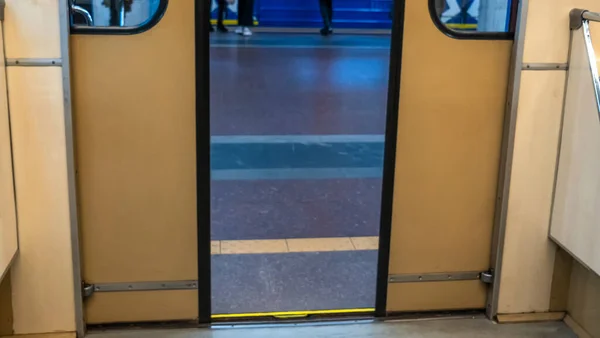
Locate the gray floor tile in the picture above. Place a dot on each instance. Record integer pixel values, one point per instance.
(463, 328)
(293, 281)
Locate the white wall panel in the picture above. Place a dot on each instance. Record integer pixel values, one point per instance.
(576, 214)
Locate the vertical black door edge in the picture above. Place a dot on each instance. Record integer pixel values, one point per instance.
(389, 162)
(202, 69)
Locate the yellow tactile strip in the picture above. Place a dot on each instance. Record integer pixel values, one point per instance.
(294, 245)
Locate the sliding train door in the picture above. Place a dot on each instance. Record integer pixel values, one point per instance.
(450, 123)
(133, 83)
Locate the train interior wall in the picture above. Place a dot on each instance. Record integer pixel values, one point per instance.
(42, 290)
(536, 276)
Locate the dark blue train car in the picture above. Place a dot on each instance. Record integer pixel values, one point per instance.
(367, 14)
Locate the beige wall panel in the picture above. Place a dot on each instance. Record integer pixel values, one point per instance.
(8, 216)
(32, 29)
(46, 335)
(6, 314)
(134, 112)
(561, 279)
(407, 297)
(42, 276)
(449, 133)
(111, 307)
(584, 299)
(547, 33)
(528, 254)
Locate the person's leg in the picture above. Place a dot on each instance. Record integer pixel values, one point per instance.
(240, 13)
(245, 12)
(323, 6)
(326, 14)
(245, 15)
(222, 7)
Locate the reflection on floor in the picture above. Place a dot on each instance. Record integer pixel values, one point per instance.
(310, 91)
(297, 156)
(463, 328)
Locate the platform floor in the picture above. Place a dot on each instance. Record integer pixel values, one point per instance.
(463, 328)
(297, 142)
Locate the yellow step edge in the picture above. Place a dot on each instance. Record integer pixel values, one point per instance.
(230, 22)
(292, 314)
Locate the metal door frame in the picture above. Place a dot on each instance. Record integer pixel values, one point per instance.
(202, 13)
(389, 159)
(203, 181)
(65, 36)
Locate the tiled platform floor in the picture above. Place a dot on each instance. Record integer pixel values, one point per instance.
(297, 124)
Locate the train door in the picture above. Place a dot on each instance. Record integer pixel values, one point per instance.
(133, 83)
(450, 124)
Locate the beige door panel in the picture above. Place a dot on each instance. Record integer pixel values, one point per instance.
(428, 296)
(135, 138)
(142, 306)
(450, 122)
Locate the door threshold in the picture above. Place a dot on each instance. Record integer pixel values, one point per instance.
(292, 314)
(293, 317)
(315, 318)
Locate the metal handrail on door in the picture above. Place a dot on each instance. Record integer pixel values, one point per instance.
(83, 12)
(580, 19)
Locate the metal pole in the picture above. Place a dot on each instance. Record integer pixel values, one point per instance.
(591, 16)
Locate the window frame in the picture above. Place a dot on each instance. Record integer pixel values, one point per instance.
(116, 30)
(470, 35)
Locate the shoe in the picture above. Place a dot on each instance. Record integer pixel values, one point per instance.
(247, 32)
(326, 31)
(239, 30)
(222, 29)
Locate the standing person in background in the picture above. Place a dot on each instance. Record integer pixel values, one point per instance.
(327, 15)
(221, 7)
(245, 17)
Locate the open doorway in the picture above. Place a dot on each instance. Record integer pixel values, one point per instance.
(298, 123)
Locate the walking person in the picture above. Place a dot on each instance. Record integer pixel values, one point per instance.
(245, 17)
(221, 7)
(327, 15)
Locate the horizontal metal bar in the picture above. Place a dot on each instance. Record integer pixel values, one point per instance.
(434, 277)
(545, 66)
(34, 62)
(577, 16)
(591, 16)
(146, 286)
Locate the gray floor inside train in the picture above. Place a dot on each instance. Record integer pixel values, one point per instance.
(464, 328)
